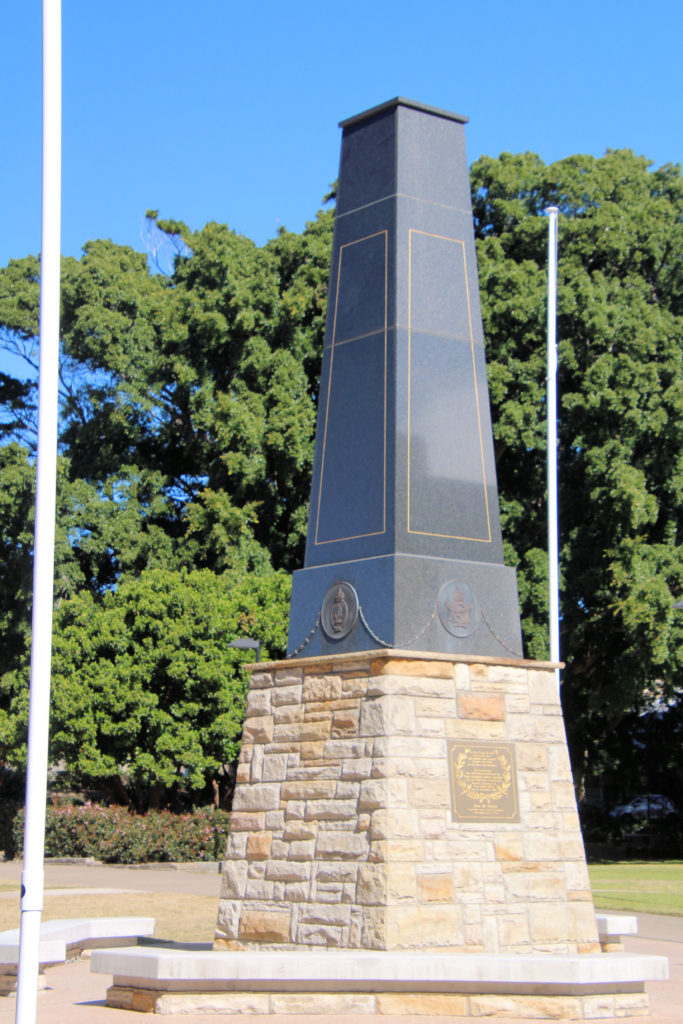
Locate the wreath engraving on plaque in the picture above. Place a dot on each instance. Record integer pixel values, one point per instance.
(483, 781)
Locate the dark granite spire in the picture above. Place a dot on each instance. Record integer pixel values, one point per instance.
(404, 546)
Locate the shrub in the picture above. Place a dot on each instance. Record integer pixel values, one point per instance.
(114, 835)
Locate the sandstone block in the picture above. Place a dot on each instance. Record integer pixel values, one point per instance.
(258, 845)
(508, 848)
(426, 926)
(356, 768)
(374, 928)
(286, 695)
(526, 1007)
(434, 888)
(337, 871)
(309, 789)
(373, 794)
(259, 889)
(302, 731)
(261, 796)
(423, 686)
(299, 830)
(342, 749)
(264, 926)
(327, 1003)
(475, 729)
(354, 686)
(371, 888)
(313, 751)
(405, 849)
(247, 821)
(236, 846)
(422, 1004)
(319, 935)
(431, 669)
(228, 919)
(488, 707)
(345, 723)
(543, 687)
(258, 703)
(347, 790)
(401, 882)
(430, 793)
(234, 880)
(330, 810)
(303, 849)
(212, 1003)
(287, 676)
(288, 871)
(260, 680)
(337, 845)
(321, 688)
(258, 730)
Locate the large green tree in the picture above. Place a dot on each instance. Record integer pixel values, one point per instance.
(188, 406)
(620, 328)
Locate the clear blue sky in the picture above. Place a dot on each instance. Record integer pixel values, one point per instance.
(227, 111)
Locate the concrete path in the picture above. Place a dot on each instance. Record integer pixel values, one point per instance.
(75, 996)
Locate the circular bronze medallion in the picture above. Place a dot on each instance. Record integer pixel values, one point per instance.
(458, 609)
(339, 611)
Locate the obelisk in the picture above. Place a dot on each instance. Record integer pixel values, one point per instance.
(404, 546)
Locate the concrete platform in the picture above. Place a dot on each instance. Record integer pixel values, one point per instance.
(580, 987)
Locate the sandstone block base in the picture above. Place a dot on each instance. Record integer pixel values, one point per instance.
(344, 833)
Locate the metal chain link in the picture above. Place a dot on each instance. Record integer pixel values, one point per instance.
(500, 639)
(397, 647)
(306, 641)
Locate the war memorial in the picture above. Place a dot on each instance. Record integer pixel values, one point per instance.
(404, 835)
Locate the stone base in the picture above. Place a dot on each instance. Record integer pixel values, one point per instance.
(325, 983)
(343, 831)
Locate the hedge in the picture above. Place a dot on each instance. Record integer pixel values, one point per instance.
(116, 836)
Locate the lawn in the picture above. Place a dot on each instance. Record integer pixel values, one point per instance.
(177, 915)
(645, 887)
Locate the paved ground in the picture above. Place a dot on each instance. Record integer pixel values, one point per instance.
(75, 996)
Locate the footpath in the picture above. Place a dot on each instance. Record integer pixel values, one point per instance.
(75, 996)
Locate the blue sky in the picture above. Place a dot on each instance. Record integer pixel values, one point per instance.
(227, 111)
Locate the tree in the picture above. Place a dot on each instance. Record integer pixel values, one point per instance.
(620, 327)
(147, 697)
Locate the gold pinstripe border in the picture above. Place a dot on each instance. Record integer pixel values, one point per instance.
(374, 533)
(428, 533)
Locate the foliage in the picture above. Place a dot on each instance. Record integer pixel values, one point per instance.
(147, 698)
(115, 836)
(188, 406)
(620, 325)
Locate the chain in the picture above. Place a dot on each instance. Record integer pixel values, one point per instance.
(397, 647)
(498, 638)
(307, 641)
(408, 643)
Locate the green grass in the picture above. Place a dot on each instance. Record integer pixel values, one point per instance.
(645, 887)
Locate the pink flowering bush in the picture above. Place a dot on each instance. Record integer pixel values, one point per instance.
(114, 835)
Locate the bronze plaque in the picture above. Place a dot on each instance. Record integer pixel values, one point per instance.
(483, 781)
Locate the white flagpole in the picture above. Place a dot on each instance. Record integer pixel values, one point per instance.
(43, 567)
(551, 459)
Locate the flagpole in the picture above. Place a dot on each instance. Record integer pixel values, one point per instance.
(44, 535)
(551, 459)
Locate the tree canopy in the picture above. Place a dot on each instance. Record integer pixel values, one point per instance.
(188, 409)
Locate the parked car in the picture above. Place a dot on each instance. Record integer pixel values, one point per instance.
(650, 805)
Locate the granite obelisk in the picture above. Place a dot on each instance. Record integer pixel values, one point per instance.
(404, 545)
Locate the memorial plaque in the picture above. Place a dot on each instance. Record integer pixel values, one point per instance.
(483, 781)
